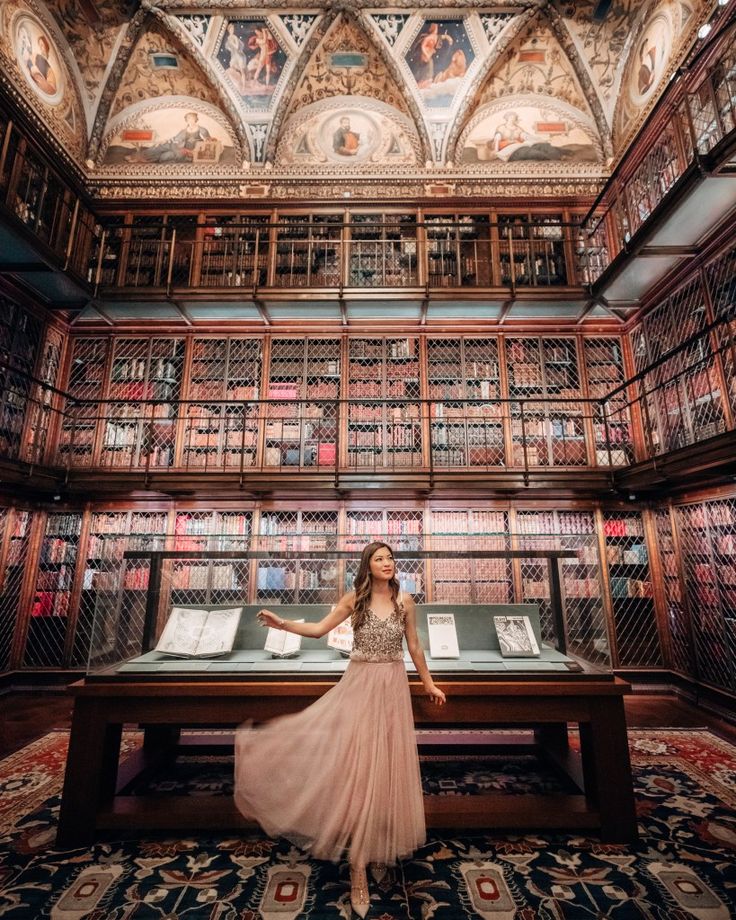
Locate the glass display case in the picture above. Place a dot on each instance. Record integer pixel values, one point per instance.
(125, 632)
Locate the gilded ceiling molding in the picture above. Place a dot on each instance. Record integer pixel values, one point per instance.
(258, 194)
(300, 66)
(563, 36)
(109, 92)
(242, 6)
(471, 101)
(194, 50)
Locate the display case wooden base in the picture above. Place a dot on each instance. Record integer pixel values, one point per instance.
(95, 778)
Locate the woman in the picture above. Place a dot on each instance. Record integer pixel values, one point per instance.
(343, 774)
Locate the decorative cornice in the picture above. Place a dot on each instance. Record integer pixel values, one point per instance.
(361, 189)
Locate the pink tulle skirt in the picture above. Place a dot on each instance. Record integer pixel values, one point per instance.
(342, 776)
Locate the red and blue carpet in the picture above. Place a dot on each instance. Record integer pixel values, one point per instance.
(684, 865)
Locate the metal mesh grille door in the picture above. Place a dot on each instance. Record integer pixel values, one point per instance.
(632, 593)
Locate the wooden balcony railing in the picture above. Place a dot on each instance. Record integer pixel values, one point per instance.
(256, 256)
(696, 123)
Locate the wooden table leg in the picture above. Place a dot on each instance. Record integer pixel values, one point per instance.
(607, 770)
(91, 772)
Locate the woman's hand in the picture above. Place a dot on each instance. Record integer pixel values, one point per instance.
(269, 618)
(436, 695)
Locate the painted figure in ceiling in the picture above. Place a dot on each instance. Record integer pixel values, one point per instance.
(178, 149)
(41, 71)
(439, 59)
(422, 57)
(526, 133)
(345, 141)
(252, 59)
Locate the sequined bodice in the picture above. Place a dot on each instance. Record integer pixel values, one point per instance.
(379, 639)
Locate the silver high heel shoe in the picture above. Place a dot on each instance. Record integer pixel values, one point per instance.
(360, 898)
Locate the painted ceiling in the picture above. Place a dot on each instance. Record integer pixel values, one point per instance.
(170, 95)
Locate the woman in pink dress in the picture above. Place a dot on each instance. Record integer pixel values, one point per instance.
(342, 776)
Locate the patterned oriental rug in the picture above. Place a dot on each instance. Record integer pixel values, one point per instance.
(684, 865)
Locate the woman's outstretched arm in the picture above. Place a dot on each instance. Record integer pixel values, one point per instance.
(417, 652)
(341, 611)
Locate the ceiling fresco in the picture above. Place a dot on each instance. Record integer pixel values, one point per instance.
(450, 93)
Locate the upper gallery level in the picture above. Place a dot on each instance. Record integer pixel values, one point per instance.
(507, 218)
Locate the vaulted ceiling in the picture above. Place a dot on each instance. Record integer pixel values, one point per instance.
(233, 96)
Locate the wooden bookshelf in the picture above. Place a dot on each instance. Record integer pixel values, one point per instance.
(604, 368)
(679, 622)
(299, 434)
(531, 250)
(384, 434)
(708, 540)
(631, 590)
(52, 592)
(477, 581)
(554, 434)
(232, 251)
(297, 581)
(217, 435)
(136, 432)
(465, 434)
(21, 337)
(583, 591)
(111, 590)
(86, 380)
(458, 250)
(382, 250)
(402, 530)
(309, 251)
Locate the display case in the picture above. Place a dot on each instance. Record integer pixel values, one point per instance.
(123, 637)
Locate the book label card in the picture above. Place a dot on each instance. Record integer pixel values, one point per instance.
(442, 635)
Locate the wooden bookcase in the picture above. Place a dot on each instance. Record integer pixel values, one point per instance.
(309, 251)
(87, 374)
(109, 588)
(303, 434)
(14, 548)
(297, 581)
(631, 589)
(604, 367)
(217, 436)
(708, 540)
(232, 251)
(679, 623)
(464, 581)
(136, 433)
(382, 250)
(21, 337)
(463, 434)
(384, 434)
(46, 628)
(588, 632)
(554, 434)
(532, 250)
(458, 250)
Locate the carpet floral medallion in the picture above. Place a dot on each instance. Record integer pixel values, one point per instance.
(684, 865)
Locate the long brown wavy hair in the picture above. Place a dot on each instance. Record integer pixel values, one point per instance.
(363, 584)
